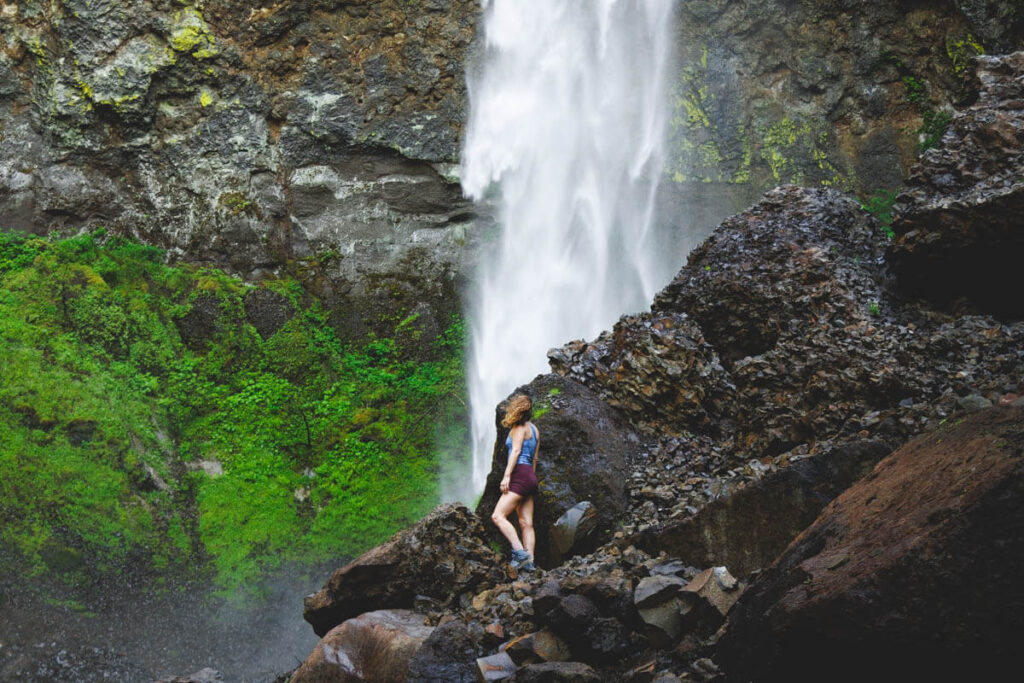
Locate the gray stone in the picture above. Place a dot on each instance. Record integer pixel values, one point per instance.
(654, 590)
(577, 522)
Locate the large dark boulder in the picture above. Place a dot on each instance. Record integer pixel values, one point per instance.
(584, 446)
(959, 218)
(449, 654)
(747, 528)
(442, 556)
(915, 568)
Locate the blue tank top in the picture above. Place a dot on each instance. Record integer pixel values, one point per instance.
(528, 449)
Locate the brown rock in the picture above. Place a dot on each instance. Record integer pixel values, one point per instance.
(918, 566)
(443, 555)
(376, 646)
(541, 646)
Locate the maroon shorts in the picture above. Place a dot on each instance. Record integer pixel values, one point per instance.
(523, 480)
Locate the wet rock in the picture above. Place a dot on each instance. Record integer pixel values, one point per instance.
(201, 324)
(444, 555)
(448, 654)
(958, 217)
(557, 672)
(584, 446)
(590, 635)
(917, 564)
(376, 646)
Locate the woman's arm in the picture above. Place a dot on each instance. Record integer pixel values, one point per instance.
(513, 455)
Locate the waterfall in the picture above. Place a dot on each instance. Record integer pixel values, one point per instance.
(568, 116)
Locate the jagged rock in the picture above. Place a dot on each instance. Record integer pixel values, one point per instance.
(496, 667)
(589, 634)
(917, 565)
(444, 555)
(448, 654)
(654, 590)
(540, 646)
(663, 622)
(583, 451)
(748, 528)
(577, 524)
(958, 217)
(376, 646)
(557, 672)
(657, 369)
(717, 587)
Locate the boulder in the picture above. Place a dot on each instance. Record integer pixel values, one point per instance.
(958, 218)
(655, 368)
(442, 556)
(917, 565)
(448, 654)
(584, 446)
(376, 646)
(748, 527)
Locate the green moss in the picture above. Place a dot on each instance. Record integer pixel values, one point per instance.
(961, 50)
(192, 34)
(95, 373)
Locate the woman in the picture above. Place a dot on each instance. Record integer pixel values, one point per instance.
(519, 484)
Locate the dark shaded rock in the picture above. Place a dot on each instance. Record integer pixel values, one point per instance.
(657, 369)
(448, 654)
(376, 646)
(200, 326)
(958, 219)
(590, 636)
(583, 450)
(918, 564)
(267, 311)
(748, 528)
(654, 590)
(442, 556)
(557, 672)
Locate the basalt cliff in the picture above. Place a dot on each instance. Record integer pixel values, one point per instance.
(791, 466)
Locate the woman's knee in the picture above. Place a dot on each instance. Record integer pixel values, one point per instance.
(496, 517)
(525, 523)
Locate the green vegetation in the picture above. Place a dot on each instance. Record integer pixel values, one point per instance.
(880, 206)
(125, 381)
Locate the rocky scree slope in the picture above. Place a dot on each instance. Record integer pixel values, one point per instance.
(783, 362)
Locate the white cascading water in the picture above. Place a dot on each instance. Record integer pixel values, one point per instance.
(568, 117)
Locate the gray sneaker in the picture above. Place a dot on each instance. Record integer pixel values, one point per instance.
(520, 558)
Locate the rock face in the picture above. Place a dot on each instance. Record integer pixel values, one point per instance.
(583, 450)
(774, 91)
(959, 218)
(441, 557)
(918, 564)
(375, 646)
(246, 137)
(746, 529)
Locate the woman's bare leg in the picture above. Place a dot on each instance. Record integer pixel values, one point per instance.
(526, 524)
(506, 504)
